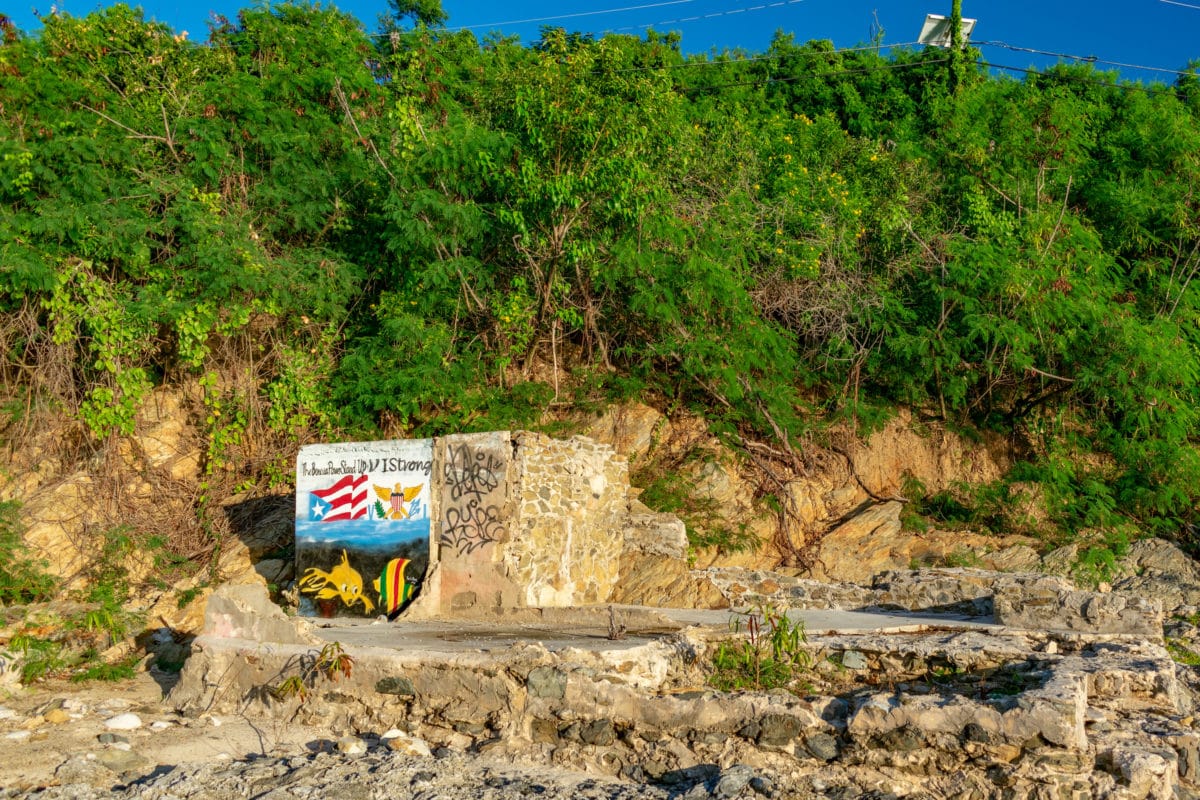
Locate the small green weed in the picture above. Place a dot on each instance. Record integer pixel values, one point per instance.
(41, 656)
(1181, 653)
(331, 663)
(100, 671)
(963, 557)
(186, 596)
(770, 657)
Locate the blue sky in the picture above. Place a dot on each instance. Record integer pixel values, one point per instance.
(1154, 33)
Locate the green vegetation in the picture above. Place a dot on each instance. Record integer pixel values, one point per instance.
(68, 645)
(324, 233)
(771, 656)
(22, 579)
(330, 663)
(1098, 561)
(668, 488)
(1181, 653)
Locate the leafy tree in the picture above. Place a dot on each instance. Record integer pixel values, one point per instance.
(426, 13)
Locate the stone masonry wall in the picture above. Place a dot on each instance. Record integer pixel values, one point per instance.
(568, 531)
(523, 520)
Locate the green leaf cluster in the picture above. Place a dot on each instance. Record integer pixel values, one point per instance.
(329, 232)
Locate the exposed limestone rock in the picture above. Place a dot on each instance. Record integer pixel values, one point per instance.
(667, 583)
(963, 591)
(139, 481)
(941, 715)
(1053, 608)
(1015, 558)
(828, 492)
(164, 441)
(861, 546)
(926, 452)
(1157, 557)
(629, 428)
(1160, 570)
(246, 612)
(57, 518)
(1061, 561)
(654, 569)
(653, 534)
(875, 541)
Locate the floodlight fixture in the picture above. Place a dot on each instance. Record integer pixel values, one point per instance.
(936, 30)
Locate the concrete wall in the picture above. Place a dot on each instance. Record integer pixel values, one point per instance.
(475, 486)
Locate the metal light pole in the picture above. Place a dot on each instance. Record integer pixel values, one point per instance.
(956, 45)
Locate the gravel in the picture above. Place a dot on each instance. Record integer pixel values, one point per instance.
(378, 775)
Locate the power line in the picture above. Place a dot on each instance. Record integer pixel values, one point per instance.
(569, 16)
(1177, 3)
(1126, 86)
(703, 17)
(1088, 59)
(781, 57)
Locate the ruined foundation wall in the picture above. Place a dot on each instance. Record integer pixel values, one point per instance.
(475, 480)
(568, 531)
(523, 520)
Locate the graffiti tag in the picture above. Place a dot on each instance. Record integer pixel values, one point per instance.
(471, 528)
(471, 475)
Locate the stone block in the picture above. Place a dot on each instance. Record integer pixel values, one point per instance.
(965, 591)
(547, 682)
(246, 612)
(654, 534)
(1052, 608)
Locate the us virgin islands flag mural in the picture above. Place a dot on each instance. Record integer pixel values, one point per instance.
(362, 526)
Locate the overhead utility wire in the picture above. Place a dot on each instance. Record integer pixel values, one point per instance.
(1177, 3)
(698, 17)
(882, 46)
(702, 17)
(755, 59)
(1088, 59)
(1126, 86)
(570, 16)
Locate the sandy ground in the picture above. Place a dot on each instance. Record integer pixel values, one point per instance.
(203, 757)
(34, 742)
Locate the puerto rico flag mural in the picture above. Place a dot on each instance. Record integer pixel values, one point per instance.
(345, 499)
(362, 526)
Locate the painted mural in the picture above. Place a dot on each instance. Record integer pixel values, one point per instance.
(362, 526)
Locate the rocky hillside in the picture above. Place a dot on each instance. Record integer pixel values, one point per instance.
(840, 507)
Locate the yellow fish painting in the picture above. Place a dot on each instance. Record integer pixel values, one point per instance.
(393, 591)
(392, 501)
(343, 581)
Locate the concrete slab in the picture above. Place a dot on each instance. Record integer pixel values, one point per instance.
(588, 629)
